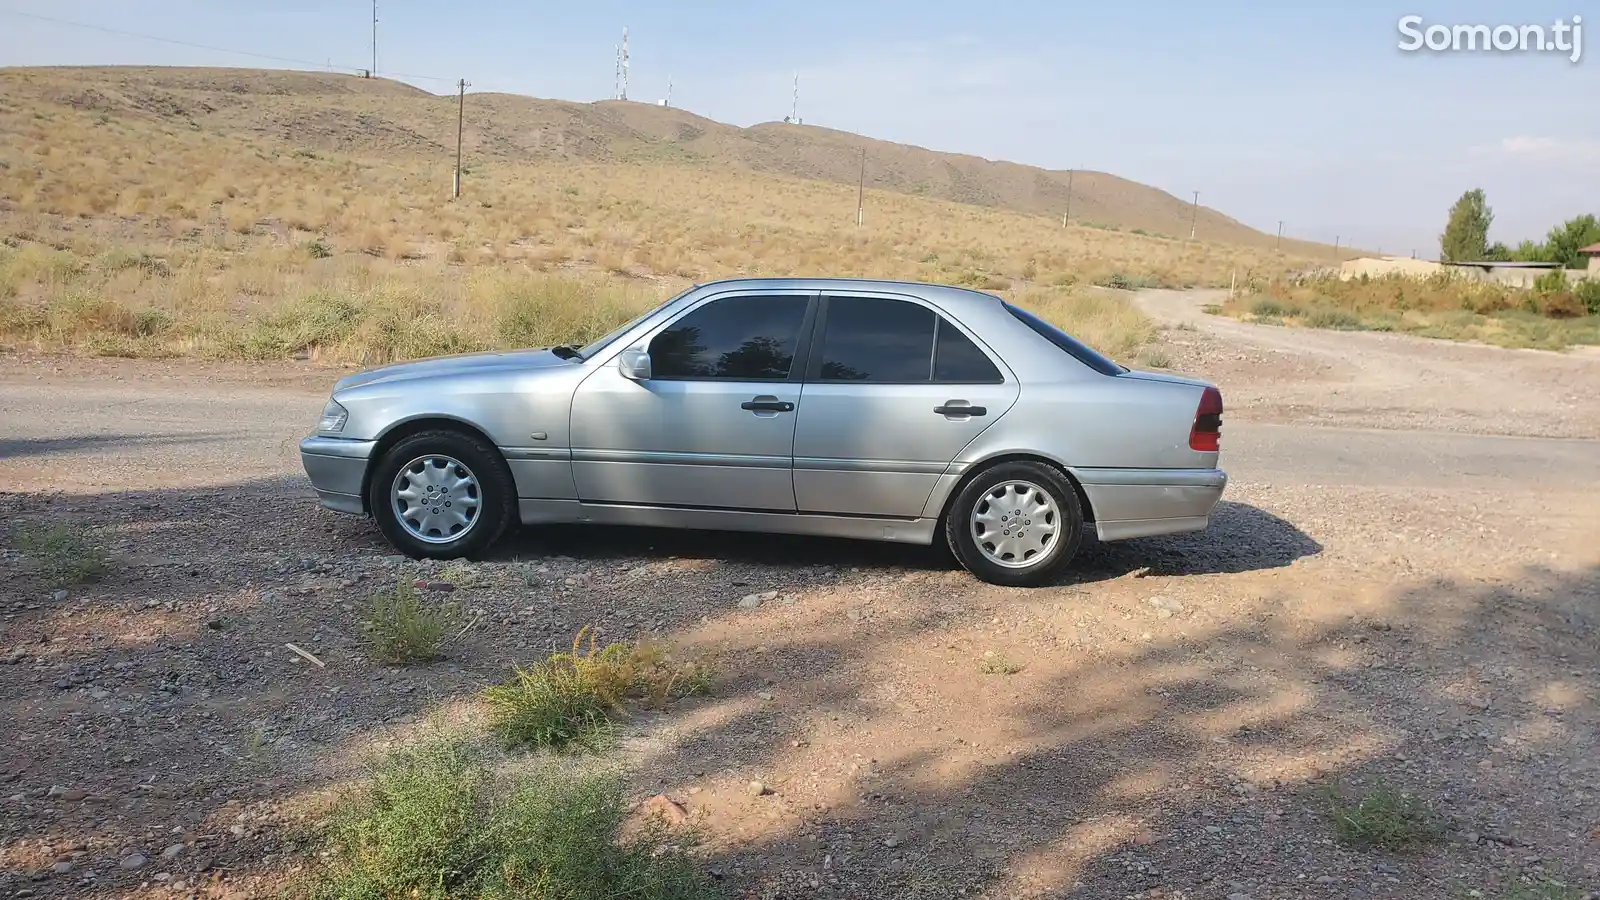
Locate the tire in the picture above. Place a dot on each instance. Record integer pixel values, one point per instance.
(489, 483)
(1038, 563)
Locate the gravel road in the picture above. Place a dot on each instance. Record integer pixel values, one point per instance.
(1413, 600)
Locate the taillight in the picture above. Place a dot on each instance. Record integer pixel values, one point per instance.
(1206, 435)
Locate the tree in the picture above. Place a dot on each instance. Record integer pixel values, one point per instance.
(1466, 234)
(1528, 251)
(1498, 252)
(1565, 240)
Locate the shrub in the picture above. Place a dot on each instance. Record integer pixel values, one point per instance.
(64, 554)
(1551, 282)
(401, 627)
(1561, 305)
(567, 700)
(1588, 293)
(1384, 817)
(433, 822)
(1327, 317)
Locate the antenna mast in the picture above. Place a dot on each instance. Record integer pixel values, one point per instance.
(374, 72)
(622, 61)
(794, 105)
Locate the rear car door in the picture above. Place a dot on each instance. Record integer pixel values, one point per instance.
(894, 390)
(713, 425)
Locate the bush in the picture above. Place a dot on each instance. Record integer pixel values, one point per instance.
(1326, 317)
(566, 701)
(1551, 282)
(1384, 817)
(1588, 293)
(64, 554)
(1561, 305)
(403, 628)
(433, 823)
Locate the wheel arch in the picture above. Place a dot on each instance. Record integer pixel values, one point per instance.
(405, 428)
(989, 462)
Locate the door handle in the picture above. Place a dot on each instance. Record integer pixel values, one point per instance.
(960, 408)
(767, 404)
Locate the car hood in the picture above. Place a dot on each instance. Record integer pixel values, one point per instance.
(460, 364)
(1138, 375)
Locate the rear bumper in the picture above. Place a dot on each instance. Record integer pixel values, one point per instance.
(337, 468)
(1130, 503)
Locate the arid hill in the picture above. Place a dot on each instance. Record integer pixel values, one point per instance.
(377, 117)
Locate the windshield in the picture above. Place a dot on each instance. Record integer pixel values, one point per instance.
(595, 346)
(1079, 350)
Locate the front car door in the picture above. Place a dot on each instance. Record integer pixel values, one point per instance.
(894, 390)
(713, 425)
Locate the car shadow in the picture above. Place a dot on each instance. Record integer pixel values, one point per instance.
(1241, 538)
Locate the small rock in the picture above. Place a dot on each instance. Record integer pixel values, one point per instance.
(61, 868)
(665, 808)
(215, 624)
(1237, 895)
(59, 596)
(759, 789)
(892, 841)
(764, 695)
(173, 852)
(133, 861)
(442, 587)
(1326, 879)
(750, 601)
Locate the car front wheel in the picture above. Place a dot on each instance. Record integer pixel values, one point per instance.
(442, 495)
(1017, 524)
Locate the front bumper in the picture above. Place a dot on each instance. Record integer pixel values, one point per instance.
(337, 467)
(1130, 503)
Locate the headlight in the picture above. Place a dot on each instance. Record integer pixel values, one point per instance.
(333, 418)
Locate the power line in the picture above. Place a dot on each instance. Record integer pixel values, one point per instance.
(192, 44)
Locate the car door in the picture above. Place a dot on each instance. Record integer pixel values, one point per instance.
(713, 424)
(894, 390)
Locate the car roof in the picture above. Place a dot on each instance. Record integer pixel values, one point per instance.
(943, 294)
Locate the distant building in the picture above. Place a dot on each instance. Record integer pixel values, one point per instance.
(1592, 252)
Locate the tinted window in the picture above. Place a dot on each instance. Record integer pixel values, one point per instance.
(742, 338)
(957, 358)
(877, 340)
(1080, 351)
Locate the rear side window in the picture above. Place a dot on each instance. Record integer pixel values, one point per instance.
(1080, 351)
(884, 341)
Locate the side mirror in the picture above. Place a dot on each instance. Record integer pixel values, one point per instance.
(634, 364)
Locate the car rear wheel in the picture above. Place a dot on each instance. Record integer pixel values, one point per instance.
(1017, 524)
(442, 495)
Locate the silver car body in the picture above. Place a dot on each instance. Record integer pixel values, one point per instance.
(586, 443)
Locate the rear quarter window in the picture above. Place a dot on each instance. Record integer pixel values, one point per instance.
(1080, 351)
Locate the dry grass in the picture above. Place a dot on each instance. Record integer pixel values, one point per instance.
(137, 236)
(1441, 306)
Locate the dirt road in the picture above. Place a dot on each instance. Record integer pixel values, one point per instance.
(1417, 606)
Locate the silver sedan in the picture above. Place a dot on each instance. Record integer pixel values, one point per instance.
(859, 409)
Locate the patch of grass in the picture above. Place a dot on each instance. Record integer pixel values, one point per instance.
(64, 554)
(1157, 358)
(996, 664)
(1541, 889)
(567, 701)
(402, 627)
(436, 821)
(1338, 319)
(1384, 817)
(1107, 322)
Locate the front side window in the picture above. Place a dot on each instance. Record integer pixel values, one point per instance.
(752, 338)
(883, 341)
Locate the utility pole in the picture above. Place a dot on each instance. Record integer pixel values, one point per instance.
(1336, 246)
(1194, 214)
(374, 72)
(794, 105)
(461, 106)
(861, 190)
(1067, 216)
(1278, 247)
(669, 88)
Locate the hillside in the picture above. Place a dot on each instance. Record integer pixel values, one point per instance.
(376, 117)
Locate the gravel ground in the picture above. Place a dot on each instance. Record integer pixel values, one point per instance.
(1176, 711)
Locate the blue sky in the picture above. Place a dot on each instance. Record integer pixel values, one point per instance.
(1311, 115)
